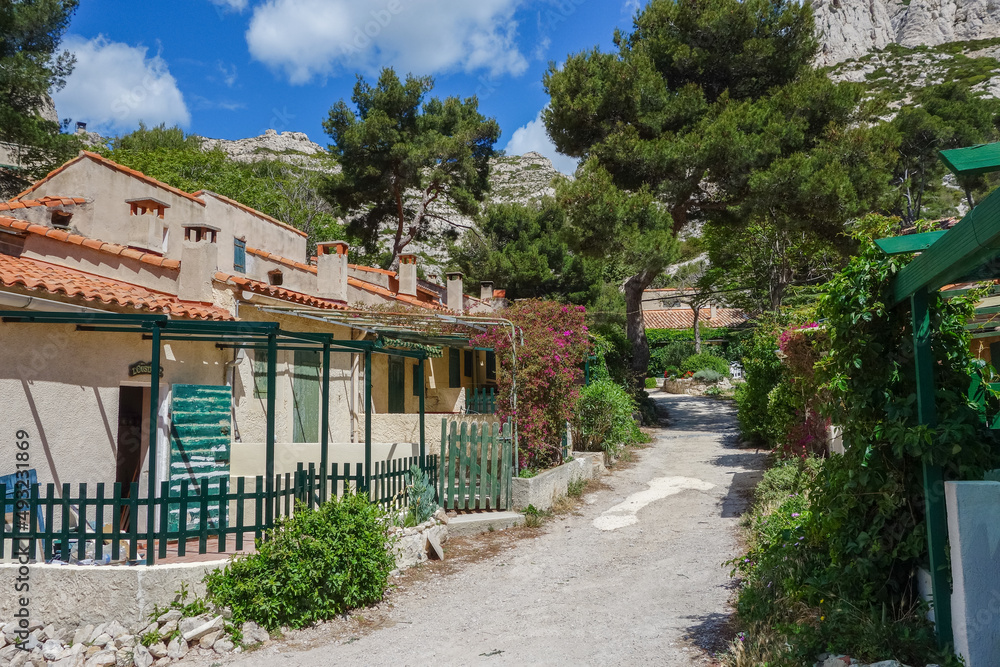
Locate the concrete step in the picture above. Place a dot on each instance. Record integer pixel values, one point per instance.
(475, 523)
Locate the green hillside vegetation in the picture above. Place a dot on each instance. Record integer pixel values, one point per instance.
(271, 186)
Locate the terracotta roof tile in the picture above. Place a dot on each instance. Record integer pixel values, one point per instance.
(115, 166)
(683, 318)
(273, 291)
(353, 282)
(33, 275)
(50, 202)
(251, 211)
(95, 244)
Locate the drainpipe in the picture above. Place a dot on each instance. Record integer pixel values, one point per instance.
(11, 300)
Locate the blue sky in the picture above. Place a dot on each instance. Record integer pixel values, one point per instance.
(234, 68)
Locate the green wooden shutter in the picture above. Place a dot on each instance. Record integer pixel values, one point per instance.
(454, 368)
(239, 255)
(468, 363)
(416, 378)
(397, 382)
(306, 395)
(260, 373)
(200, 440)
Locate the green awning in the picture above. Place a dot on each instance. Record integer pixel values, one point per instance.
(972, 161)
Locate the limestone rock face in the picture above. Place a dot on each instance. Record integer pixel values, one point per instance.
(850, 28)
(291, 147)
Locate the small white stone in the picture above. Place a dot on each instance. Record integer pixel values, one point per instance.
(177, 649)
(141, 657)
(52, 649)
(102, 639)
(223, 645)
(208, 641)
(201, 630)
(170, 615)
(158, 650)
(82, 634)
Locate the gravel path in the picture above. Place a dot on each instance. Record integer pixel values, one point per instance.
(634, 576)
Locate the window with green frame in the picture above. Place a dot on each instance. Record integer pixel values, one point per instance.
(454, 368)
(260, 373)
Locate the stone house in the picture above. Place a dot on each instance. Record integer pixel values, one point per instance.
(94, 237)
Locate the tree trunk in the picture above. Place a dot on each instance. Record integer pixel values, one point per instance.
(697, 328)
(635, 325)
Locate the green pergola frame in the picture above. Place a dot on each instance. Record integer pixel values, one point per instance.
(233, 335)
(967, 252)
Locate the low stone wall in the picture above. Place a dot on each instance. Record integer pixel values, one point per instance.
(419, 543)
(542, 489)
(79, 594)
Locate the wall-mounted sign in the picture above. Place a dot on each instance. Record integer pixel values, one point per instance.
(142, 368)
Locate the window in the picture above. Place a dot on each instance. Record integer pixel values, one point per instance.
(468, 363)
(239, 255)
(491, 365)
(275, 278)
(416, 379)
(454, 368)
(397, 384)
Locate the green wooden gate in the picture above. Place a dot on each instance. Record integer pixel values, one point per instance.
(477, 466)
(200, 440)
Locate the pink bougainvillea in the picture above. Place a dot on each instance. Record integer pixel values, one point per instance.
(548, 374)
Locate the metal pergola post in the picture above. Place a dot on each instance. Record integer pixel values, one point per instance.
(935, 512)
(324, 434)
(368, 420)
(420, 387)
(272, 367)
(154, 409)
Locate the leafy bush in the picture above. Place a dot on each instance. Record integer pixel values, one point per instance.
(316, 564)
(705, 361)
(671, 371)
(420, 497)
(671, 354)
(652, 383)
(708, 375)
(762, 372)
(603, 419)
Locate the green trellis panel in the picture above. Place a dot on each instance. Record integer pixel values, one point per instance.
(200, 427)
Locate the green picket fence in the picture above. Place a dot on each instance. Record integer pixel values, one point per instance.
(476, 466)
(481, 401)
(89, 523)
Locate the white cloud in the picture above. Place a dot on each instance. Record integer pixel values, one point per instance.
(234, 5)
(532, 137)
(115, 85)
(308, 38)
(630, 7)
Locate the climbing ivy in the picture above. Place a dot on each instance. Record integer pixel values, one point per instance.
(841, 575)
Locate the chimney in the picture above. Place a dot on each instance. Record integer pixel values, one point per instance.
(714, 307)
(486, 290)
(331, 270)
(456, 299)
(199, 262)
(408, 275)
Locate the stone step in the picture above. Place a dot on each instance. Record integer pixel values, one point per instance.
(475, 523)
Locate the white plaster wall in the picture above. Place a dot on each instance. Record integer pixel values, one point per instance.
(406, 428)
(109, 189)
(295, 279)
(257, 232)
(62, 387)
(249, 458)
(101, 263)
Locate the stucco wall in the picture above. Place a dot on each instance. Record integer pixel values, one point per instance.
(110, 218)
(406, 428)
(257, 232)
(62, 387)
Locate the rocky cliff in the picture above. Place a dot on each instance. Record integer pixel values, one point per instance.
(852, 28)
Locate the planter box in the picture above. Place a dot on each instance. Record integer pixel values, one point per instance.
(545, 487)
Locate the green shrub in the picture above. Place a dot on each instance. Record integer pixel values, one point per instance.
(708, 375)
(315, 565)
(671, 354)
(762, 371)
(705, 361)
(420, 497)
(603, 420)
(672, 371)
(652, 383)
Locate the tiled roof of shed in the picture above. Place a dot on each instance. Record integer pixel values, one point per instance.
(94, 244)
(683, 318)
(32, 274)
(117, 167)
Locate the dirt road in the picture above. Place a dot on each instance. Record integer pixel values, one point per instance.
(633, 577)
